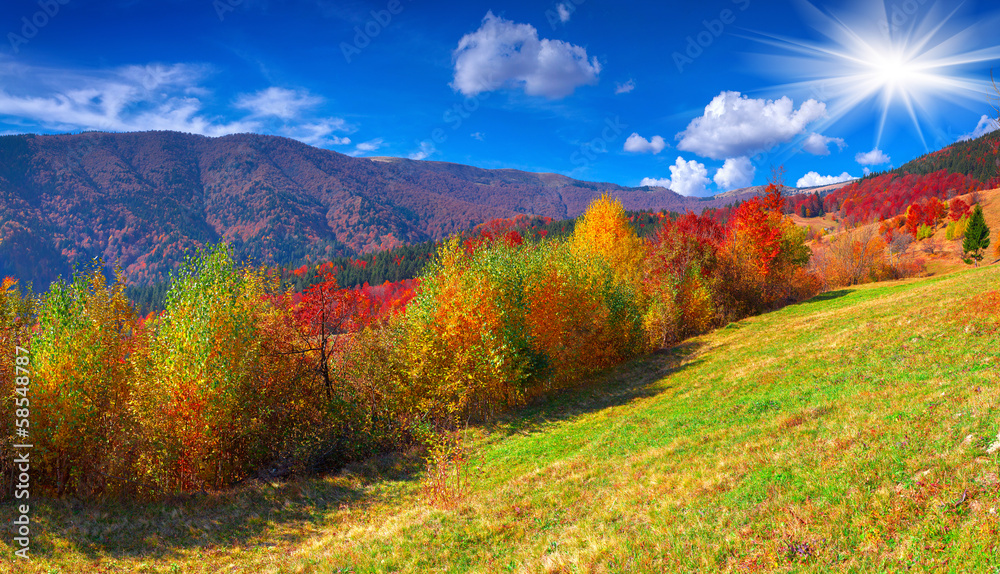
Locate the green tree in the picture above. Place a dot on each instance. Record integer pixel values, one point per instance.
(977, 237)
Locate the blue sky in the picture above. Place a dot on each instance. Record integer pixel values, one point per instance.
(699, 97)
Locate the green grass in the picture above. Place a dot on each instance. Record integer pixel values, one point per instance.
(847, 433)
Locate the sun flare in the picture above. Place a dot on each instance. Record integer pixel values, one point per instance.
(907, 62)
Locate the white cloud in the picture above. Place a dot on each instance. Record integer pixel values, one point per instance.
(478, 136)
(289, 106)
(986, 125)
(654, 182)
(735, 125)
(564, 12)
(686, 178)
(278, 102)
(874, 157)
(426, 150)
(319, 133)
(735, 173)
(366, 147)
(624, 88)
(502, 54)
(134, 98)
(154, 97)
(817, 144)
(638, 144)
(814, 179)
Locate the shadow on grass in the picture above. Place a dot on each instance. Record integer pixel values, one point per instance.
(251, 515)
(829, 296)
(617, 386)
(809, 304)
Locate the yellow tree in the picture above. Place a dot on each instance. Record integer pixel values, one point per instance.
(604, 233)
(463, 362)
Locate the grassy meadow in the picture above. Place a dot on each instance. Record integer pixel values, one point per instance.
(846, 433)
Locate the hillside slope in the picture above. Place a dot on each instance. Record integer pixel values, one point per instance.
(144, 198)
(939, 254)
(847, 433)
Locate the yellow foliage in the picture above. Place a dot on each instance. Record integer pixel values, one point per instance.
(603, 232)
(83, 385)
(16, 312)
(216, 397)
(459, 366)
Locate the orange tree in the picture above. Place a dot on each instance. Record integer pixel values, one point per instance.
(465, 335)
(580, 316)
(762, 260)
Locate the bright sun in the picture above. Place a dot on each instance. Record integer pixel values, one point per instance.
(893, 71)
(905, 61)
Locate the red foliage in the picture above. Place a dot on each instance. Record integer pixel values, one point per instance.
(706, 230)
(505, 230)
(805, 205)
(755, 220)
(386, 299)
(884, 196)
(325, 307)
(689, 238)
(928, 212)
(958, 209)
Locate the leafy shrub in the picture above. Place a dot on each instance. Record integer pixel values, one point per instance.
(759, 259)
(217, 398)
(465, 334)
(82, 422)
(678, 279)
(17, 316)
(859, 256)
(499, 320)
(580, 318)
(369, 412)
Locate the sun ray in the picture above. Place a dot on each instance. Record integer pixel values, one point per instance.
(909, 66)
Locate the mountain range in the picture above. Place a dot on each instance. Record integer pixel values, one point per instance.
(143, 199)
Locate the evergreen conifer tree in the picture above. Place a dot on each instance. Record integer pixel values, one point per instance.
(977, 237)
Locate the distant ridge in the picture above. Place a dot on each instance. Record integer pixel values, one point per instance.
(143, 198)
